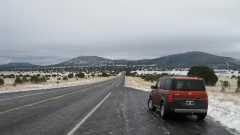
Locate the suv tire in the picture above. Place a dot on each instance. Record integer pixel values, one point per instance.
(201, 116)
(163, 112)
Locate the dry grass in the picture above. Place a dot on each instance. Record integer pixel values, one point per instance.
(52, 83)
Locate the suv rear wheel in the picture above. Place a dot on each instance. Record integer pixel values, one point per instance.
(151, 107)
(201, 116)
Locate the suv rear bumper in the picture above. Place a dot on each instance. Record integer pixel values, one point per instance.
(190, 110)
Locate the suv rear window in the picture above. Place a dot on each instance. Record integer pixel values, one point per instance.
(189, 85)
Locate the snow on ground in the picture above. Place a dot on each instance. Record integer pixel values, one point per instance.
(171, 72)
(138, 83)
(184, 71)
(223, 107)
(49, 85)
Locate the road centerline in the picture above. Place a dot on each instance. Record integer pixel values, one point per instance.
(79, 124)
(41, 93)
(27, 95)
(46, 100)
(35, 103)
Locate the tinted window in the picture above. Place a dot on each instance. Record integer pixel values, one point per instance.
(162, 84)
(193, 85)
(168, 84)
(158, 84)
(165, 84)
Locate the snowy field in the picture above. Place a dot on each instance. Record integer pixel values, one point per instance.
(223, 107)
(53, 82)
(219, 72)
(28, 87)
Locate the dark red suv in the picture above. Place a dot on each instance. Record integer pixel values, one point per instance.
(183, 95)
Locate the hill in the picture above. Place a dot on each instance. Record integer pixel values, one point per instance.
(86, 61)
(17, 66)
(187, 59)
(192, 58)
(182, 60)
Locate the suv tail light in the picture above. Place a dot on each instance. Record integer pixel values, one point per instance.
(170, 98)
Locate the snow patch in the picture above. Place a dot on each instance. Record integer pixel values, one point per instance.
(137, 83)
(225, 108)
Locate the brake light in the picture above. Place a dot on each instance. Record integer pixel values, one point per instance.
(206, 97)
(170, 98)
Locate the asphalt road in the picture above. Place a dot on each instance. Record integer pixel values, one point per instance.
(97, 109)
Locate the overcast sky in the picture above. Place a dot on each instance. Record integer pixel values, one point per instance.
(49, 31)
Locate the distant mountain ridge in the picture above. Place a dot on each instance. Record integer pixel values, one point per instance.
(18, 65)
(187, 59)
(190, 59)
(86, 60)
(181, 60)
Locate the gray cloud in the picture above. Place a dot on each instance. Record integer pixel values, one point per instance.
(135, 29)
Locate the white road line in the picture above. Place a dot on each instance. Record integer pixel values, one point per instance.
(88, 115)
(46, 100)
(27, 95)
(39, 102)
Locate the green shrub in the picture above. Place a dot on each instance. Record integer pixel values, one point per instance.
(9, 76)
(71, 75)
(152, 77)
(80, 75)
(48, 76)
(224, 84)
(25, 79)
(104, 74)
(27, 75)
(43, 79)
(233, 77)
(34, 79)
(238, 84)
(92, 75)
(204, 72)
(38, 79)
(54, 75)
(18, 80)
(1, 81)
(65, 78)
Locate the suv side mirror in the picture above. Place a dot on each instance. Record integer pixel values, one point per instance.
(153, 87)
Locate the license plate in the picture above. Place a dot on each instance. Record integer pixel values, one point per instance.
(189, 103)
